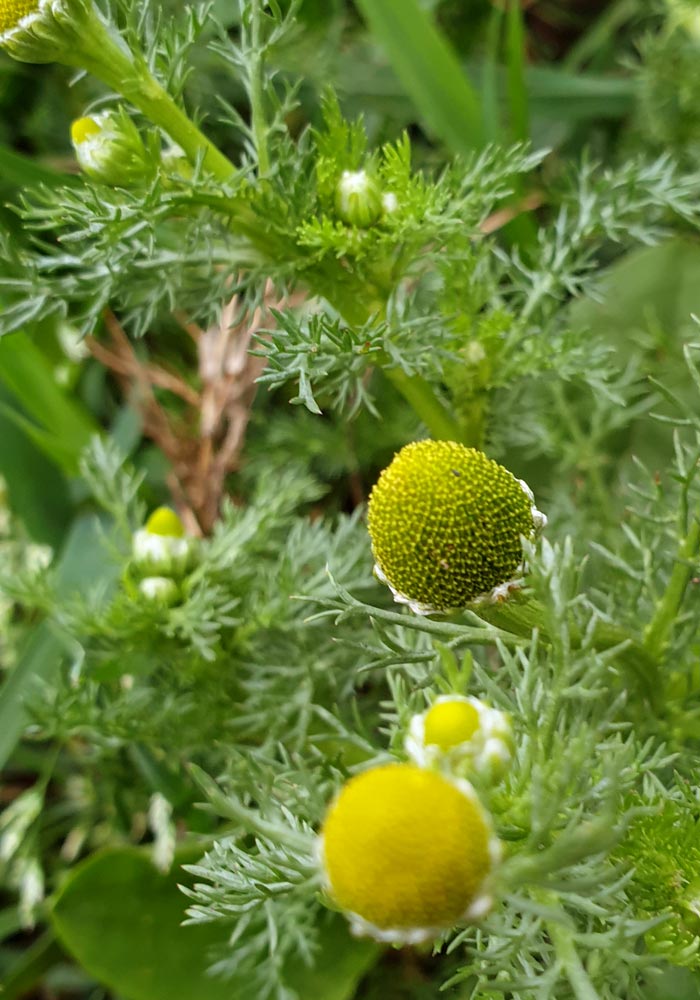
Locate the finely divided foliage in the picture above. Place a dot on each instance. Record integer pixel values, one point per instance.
(232, 713)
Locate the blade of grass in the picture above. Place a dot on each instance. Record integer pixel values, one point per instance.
(429, 70)
(31, 966)
(601, 32)
(515, 62)
(17, 170)
(37, 489)
(490, 78)
(26, 372)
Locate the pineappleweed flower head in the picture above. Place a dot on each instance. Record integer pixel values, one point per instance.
(407, 853)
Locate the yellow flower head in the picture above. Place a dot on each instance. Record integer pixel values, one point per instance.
(446, 525)
(14, 11)
(407, 853)
(458, 731)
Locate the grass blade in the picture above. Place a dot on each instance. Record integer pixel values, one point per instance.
(429, 71)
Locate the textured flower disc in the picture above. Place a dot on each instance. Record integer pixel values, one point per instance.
(449, 723)
(12, 12)
(445, 523)
(405, 848)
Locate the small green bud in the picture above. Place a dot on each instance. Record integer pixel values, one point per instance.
(160, 548)
(160, 590)
(109, 149)
(358, 199)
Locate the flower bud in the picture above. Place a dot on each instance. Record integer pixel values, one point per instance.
(358, 199)
(407, 853)
(109, 148)
(159, 590)
(160, 549)
(39, 31)
(446, 525)
(456, 730)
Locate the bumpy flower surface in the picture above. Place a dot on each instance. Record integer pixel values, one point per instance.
(12, 12)
(445, 523)
(407, 851)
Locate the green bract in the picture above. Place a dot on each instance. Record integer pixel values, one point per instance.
(446, 525)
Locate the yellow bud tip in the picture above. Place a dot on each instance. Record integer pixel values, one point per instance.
(82, 128)
(406, 849)
(164, 521)
(12, 12)
(449, 723)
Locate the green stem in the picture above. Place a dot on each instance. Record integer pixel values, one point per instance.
(522, 617)
(426, 405)
(562, 939)
(257, 114)
(658, 632)
(103, 55)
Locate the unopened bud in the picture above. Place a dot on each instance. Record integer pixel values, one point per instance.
(109, 149)
(358, 199)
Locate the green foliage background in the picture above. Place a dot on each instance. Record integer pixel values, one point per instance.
(535, 293)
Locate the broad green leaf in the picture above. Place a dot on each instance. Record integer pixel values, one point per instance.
(122, 920)
(341, 963)
(429, 71)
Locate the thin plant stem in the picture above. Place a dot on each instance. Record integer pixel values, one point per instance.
(257, 114)
(658, 632)
(107, 58)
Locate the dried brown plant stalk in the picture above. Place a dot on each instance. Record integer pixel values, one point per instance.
(204, 443)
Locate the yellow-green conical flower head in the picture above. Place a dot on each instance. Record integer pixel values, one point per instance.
(407, 853)
(446, 525)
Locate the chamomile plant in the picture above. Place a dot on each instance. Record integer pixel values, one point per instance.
(310, 639)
